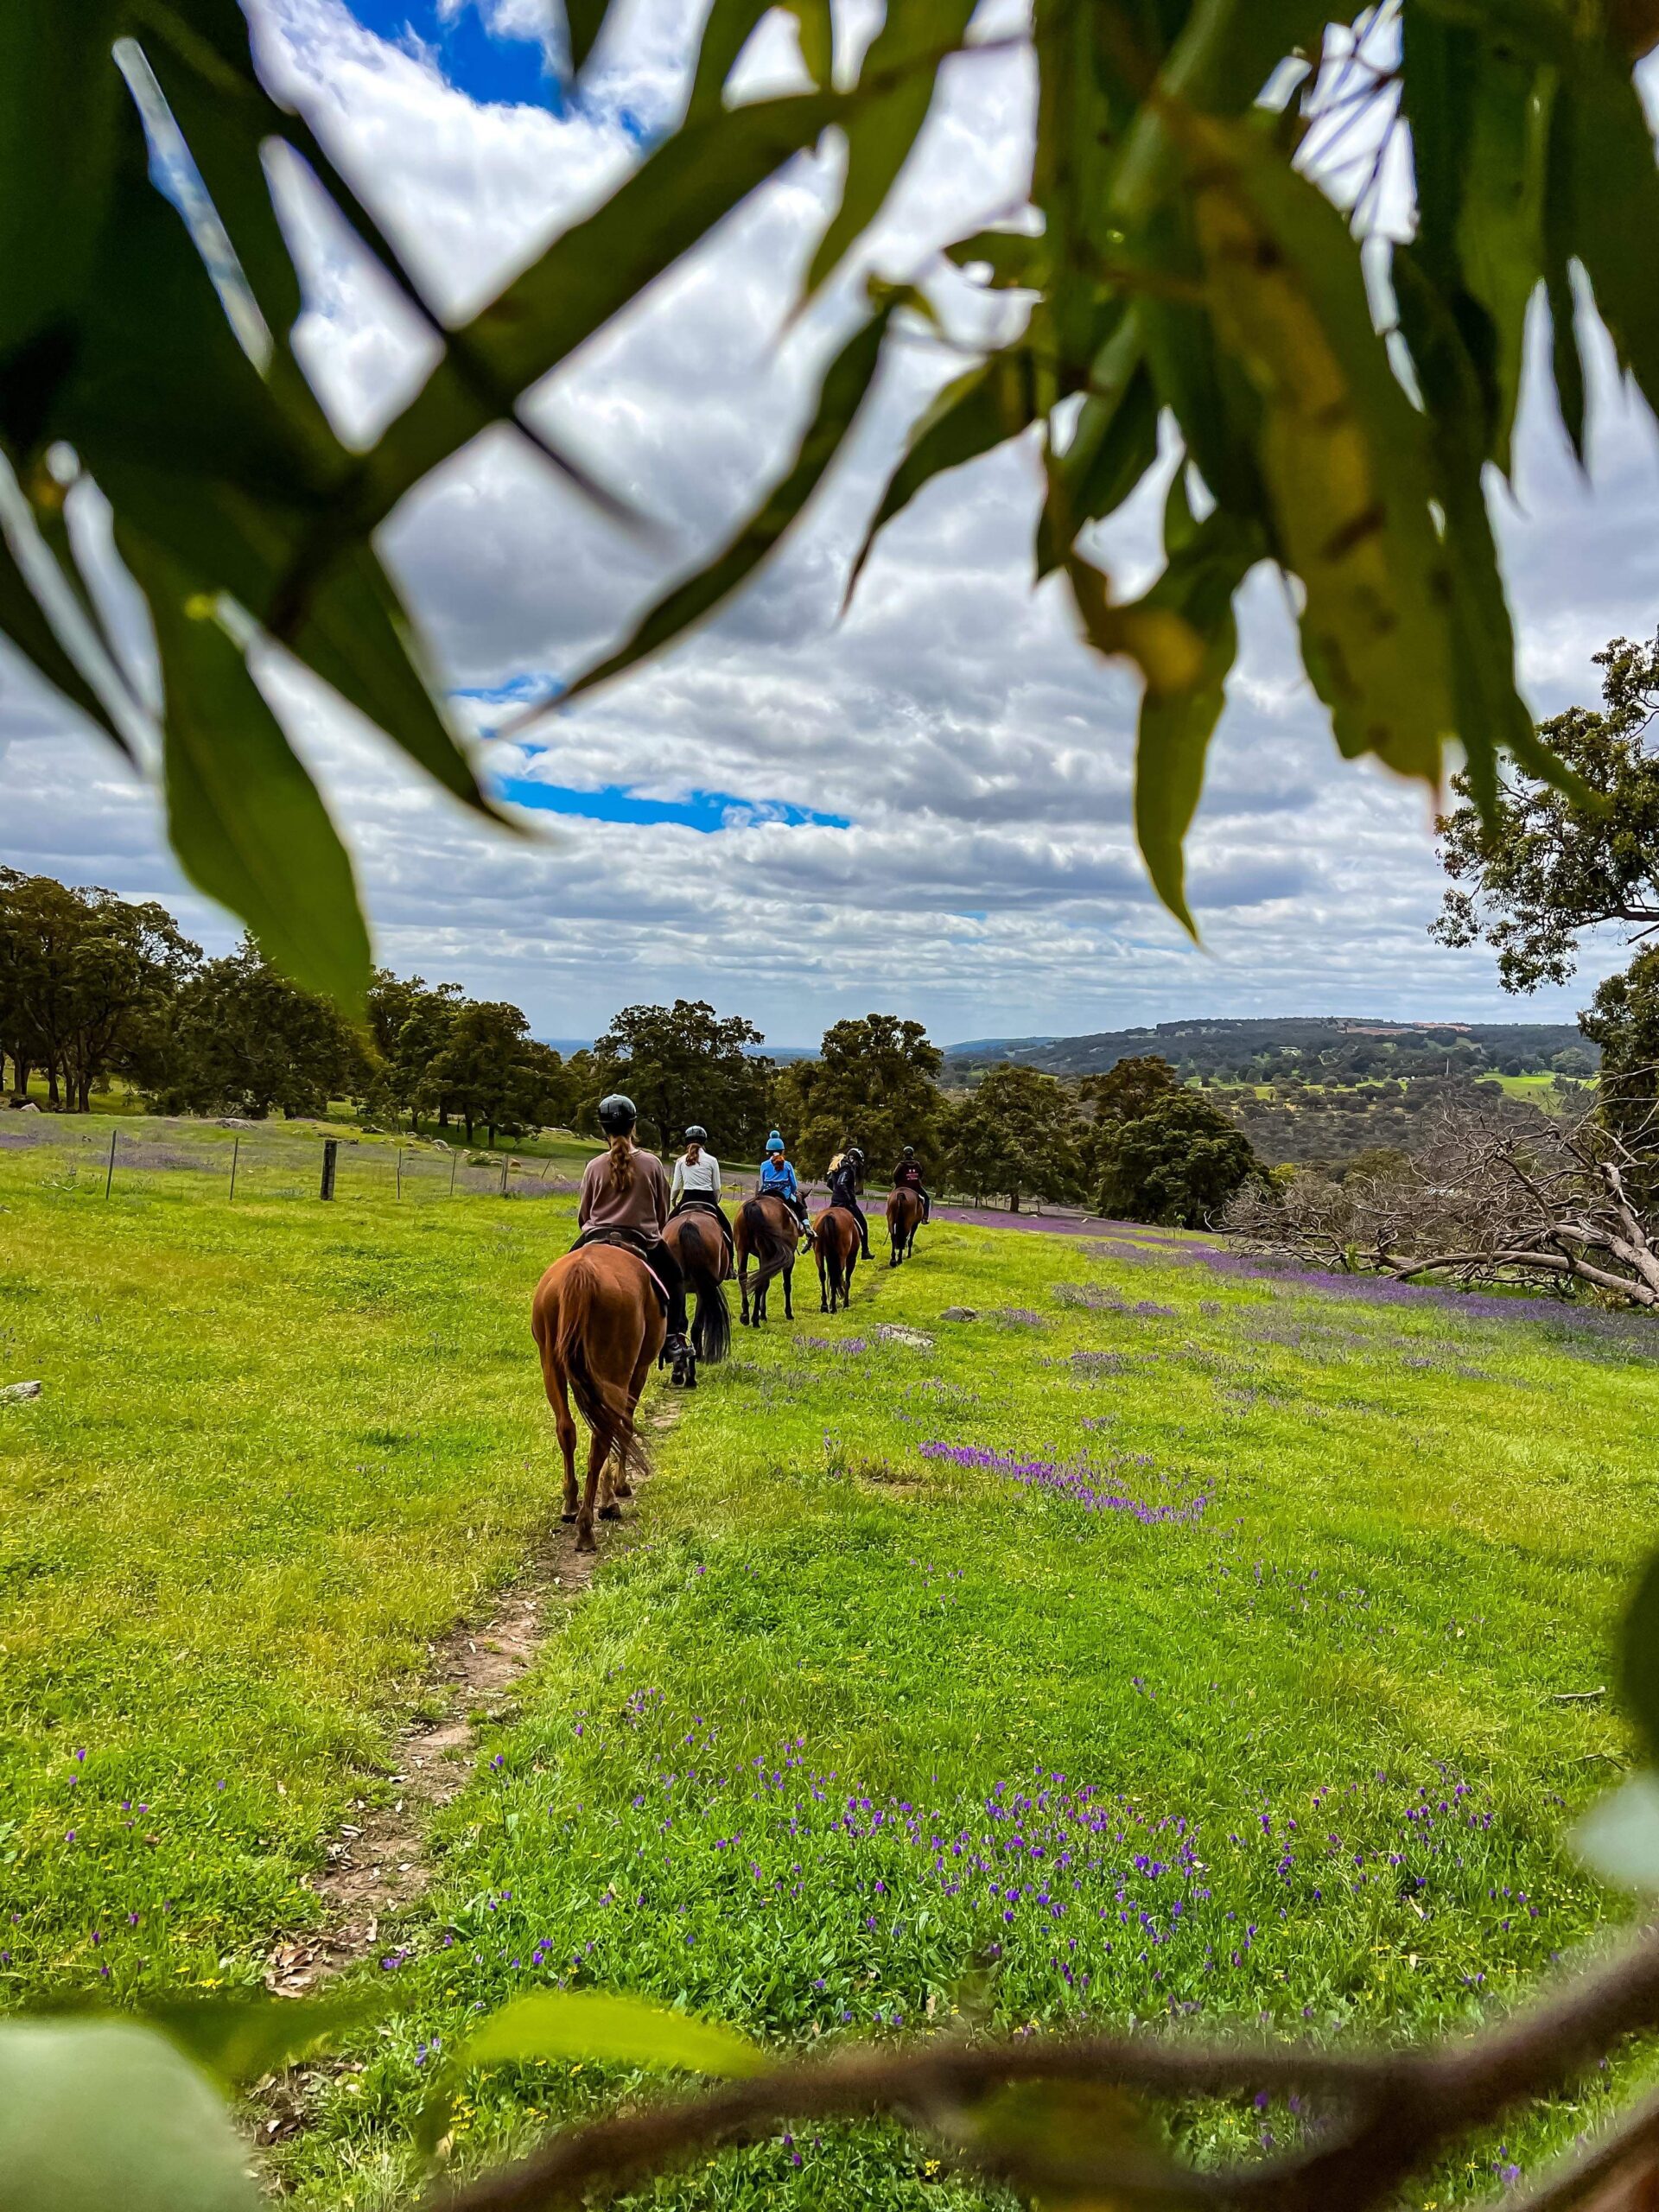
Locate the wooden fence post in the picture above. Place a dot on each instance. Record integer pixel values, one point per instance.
(109, 1176)
(330, 1156)
(236, 1147)
(400, 1171)
(505, 1164)
(454, 1162)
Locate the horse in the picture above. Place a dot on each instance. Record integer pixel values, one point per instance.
(598, 1324)
(768, 1231)
(695, 1239)
(904, 1213)
(835, 1237)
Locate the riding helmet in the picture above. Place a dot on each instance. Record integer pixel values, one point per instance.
(774, 1142)
(696, 1133)
(618, 1115)
(910, 1150)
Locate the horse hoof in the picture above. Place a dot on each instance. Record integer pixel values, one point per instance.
(585, 1541)
(567, 1517)
(610, 1513)
(621, 1489)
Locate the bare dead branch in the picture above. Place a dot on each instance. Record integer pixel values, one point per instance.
(1393, 2114)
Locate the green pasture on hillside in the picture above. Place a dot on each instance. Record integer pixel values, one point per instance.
(1162, 1644)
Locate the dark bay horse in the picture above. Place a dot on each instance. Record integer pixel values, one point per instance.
(835, 1235)
(695, 1237)
(768, 1232)
(598, 1324)
(904, 1213)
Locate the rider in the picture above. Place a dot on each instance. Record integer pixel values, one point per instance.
(625, 1201)
(779, 1180)
(697, 1179)
(907, 1176)
(846, 1177)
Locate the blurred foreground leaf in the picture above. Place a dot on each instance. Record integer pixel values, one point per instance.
(106, 2116)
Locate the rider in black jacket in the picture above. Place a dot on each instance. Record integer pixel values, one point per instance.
(845, 1178)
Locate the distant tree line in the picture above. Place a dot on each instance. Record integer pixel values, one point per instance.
(94, 987)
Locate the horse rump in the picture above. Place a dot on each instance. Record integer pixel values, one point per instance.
(601, 1403)
(711, 1330)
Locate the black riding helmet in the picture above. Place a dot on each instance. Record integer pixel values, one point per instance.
(910, 1150)
(696, 1133)
(618, 1115)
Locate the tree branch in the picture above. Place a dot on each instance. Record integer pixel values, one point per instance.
(1395, 2113)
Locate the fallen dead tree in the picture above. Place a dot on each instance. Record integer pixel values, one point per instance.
(1488, 1198)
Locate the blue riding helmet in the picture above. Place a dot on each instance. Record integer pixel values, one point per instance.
(774, 1142)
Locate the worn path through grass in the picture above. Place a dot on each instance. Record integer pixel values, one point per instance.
(1168, 1643)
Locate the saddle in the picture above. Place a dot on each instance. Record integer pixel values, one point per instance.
(627, 1240)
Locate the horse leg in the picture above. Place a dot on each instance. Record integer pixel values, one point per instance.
(826, 1284)
(788, 1277)
(743, 1290)
(566, 1426)
(599, 1451)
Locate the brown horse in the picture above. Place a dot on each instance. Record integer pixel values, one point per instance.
(767, 1231)
(697, 1242)
(836, 1236)
(904, 1213)
(598, 1324)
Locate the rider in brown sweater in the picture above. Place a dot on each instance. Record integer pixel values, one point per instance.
(625, 1201)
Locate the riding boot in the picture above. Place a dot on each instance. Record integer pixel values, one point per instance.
(682, 1361)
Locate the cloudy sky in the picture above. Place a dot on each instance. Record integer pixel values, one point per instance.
(921, 807)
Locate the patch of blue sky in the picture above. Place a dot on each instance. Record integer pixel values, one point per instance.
(496, 56)
(707, 811)
(479, 51)
(518, 691)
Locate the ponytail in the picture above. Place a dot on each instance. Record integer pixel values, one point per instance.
(618, 1169)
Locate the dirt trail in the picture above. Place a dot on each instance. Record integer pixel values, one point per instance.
(376, 1864)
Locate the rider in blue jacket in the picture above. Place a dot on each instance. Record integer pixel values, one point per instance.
(779, 1180)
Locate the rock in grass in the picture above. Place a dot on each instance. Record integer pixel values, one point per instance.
(894, 1332)
(960, 1313)
(19, 1390)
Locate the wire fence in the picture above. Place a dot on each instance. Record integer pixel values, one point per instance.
(247, 1160)
(259, 1160)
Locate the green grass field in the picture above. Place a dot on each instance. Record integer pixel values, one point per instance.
(1161, 1644)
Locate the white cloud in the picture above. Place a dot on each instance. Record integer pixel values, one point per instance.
(983, 757)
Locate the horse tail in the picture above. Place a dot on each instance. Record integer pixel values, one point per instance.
(603, 1405)
(711, 1334)
(762, 1236)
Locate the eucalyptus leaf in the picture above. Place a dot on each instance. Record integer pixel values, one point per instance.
(1639, 1653)
(1618, 1837)
(979, 411)
(616, 2029)
(1208, 561)
(1343, 453)
(841, 394)
(880, 131)
(100, 2113)
(245, 820)
(238, 2039)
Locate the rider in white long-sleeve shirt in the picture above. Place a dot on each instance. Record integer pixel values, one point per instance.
(696, 1179)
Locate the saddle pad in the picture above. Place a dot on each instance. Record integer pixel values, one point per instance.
(621, 1241)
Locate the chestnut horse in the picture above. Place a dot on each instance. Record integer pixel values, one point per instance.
(598, 1324)
(697, 1242)
(768, 1231)
(904, 1213)
(835, 1233)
